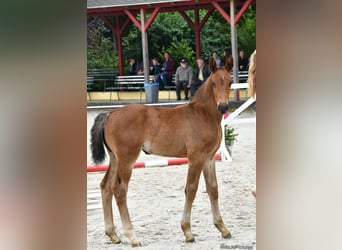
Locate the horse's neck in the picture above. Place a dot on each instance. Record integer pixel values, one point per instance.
(204, 100)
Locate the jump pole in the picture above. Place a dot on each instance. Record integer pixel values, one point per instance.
(148, 164)
(225, 156)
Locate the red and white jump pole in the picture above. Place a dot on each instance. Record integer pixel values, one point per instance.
(148, 164)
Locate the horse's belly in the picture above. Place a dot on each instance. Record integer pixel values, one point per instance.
(164, 148)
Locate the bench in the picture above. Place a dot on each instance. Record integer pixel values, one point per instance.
(128, 83)
(171, 86)
(243, 76)
(103, 77)
(90, 82)
(136, 82)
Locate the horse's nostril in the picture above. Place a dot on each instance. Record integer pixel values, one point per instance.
(222, 108)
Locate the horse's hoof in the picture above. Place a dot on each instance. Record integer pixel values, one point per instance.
(136, 244)
(226, 235)
(116, 240)
(190, 239)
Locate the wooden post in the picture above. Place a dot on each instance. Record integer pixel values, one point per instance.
(234, 48)
(144, 43)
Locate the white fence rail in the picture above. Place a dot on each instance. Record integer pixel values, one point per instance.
(225, 156)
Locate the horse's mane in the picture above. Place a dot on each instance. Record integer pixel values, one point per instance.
(252, 74)
(204, 95)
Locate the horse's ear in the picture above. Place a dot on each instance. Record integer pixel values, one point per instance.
(212, 65)
(229, 63)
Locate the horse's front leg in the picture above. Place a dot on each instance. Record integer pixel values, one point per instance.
(209, 173)
(194, 173)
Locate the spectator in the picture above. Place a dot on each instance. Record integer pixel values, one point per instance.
(217, 60)
(226, 54)
(183, 78)
(167, 70)
(201, 74)
(155, 68)
(243, 61)
(134, 67)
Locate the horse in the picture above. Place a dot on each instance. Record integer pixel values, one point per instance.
(252, 84)
(191, 130)
(252, 75)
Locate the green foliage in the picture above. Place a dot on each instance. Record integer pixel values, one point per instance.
(167, 30)
(100, 51)
(215, 35)
(246, 29)
(102, 56)
(229, 135)
(131, 44)
(179, 50)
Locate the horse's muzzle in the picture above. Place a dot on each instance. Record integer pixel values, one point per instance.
(222, 108)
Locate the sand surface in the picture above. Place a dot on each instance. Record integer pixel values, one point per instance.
(156, 200)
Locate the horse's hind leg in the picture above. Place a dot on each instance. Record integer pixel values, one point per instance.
(107, 196)
(194, 172)
(125, 162)
(209, 173)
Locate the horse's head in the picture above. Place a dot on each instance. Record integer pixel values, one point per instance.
(220, 81)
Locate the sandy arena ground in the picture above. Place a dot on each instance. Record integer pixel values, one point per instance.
(156, 200)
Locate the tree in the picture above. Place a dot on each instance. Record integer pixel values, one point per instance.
(246, 29)
(215, 35)
(180, 50)
(100, 49)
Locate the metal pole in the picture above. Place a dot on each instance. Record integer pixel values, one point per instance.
(234, 47)
(144, 43)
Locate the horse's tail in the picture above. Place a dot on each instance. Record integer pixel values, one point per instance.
(97, 138)
(252, 74)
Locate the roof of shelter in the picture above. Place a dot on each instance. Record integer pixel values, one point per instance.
(130, 8)
(115, 3)
(105, 6)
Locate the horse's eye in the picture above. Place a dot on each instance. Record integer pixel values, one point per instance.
(213, 84)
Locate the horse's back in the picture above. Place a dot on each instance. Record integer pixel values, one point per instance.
(126, 126)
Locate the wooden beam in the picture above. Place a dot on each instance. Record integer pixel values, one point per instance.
(242, 10)
(234, 48)
(133, 19)
(151, 18)
(109, 23)
(196, 26)
(205, 18)
(222, 11)
(124, 26)
(144, 43)
(187, 19)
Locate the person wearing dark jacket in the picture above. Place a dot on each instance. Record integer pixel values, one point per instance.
(226, 54)
(183, 79)
(201, 74)
(155, 69)
(134, 67)
(243, 61)
(167, 70)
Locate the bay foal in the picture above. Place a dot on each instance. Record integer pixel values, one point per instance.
(191, 130)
